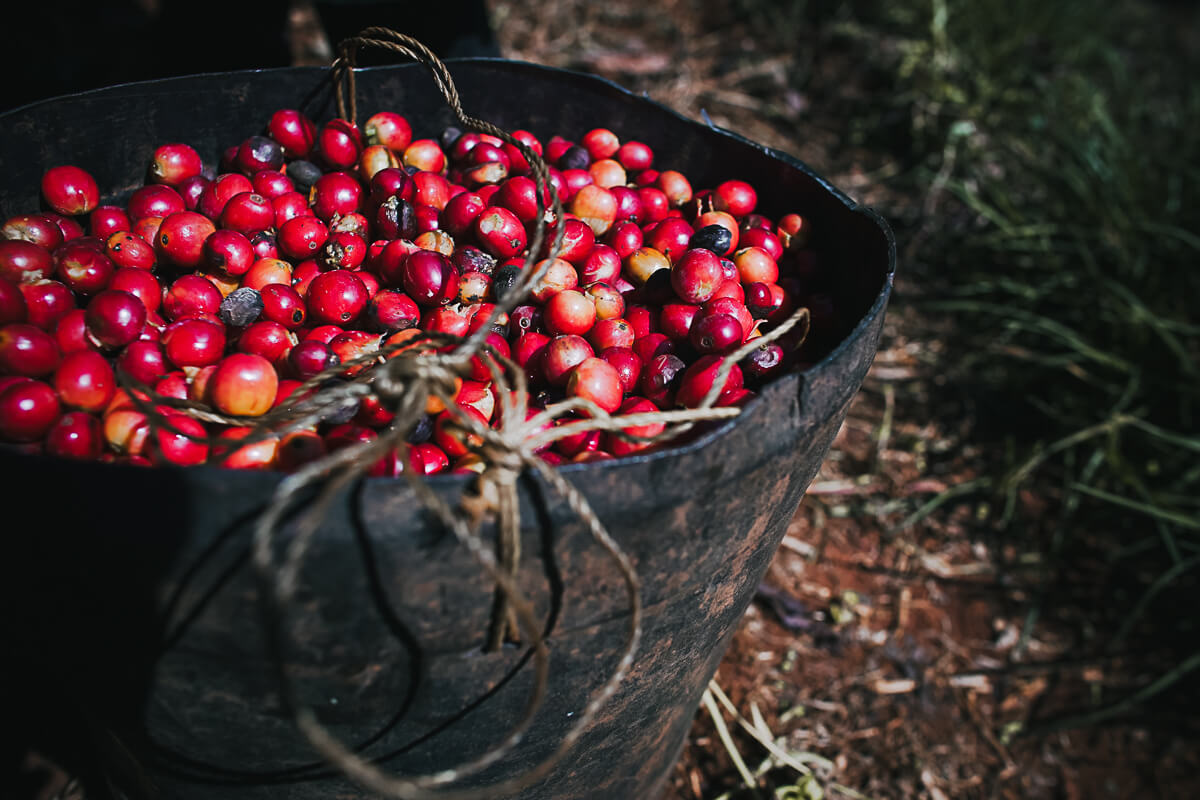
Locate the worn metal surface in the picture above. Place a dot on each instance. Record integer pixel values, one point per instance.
(138, 603)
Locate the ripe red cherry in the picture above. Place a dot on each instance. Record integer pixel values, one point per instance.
(614, 332)
(181, 236)
(736, 197)
(174, 163)
(273, 184)
(190, 190)
(765, 239)
(391, 311)
(460, 213)
(619, 446)
(70, 190)
(268, 339)
(143, 360)
(519, 195)
(28, 409)
(288, 206)
(388, 129)
(141, 284)
(596, 380)
(155, 201)
(570, 312)
(67, 226)
(336, 297)
(716, 333)
(696, 276)
(115, 318)
(229, 251)
(500, 232)
(635, 156)
(675, 320)
(295, 132)
(104, 221)
(27, 350)
(310, 357)
(84, 270)
(699, 378)
(284, 305)
(179, 441)
(194, 342)
(46, 302)
(248, 213)
(660, 378)
(429, 278)
(85, 381)
(300, 237)
(627, 364)
(562, 355)
(76, 435)
(339, 143)
(70, 332)
(12, 303)
(24, 262)
(190, 296)
(671, 236)
(335, 193)
(214, 197)
(244, 385)
(127, 249)
(602, 265)
(39, 229)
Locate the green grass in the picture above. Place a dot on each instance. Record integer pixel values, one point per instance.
(1054, 149)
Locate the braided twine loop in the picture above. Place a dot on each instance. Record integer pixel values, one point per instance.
(404, 376)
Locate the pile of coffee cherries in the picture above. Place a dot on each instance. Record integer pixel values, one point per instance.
(310, 246)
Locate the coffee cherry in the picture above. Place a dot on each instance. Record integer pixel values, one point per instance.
(716, 333)
(70, 190)
(244, 385)
(143, 360)
(24, 262)
(311, 357)
(284, 305)
(181, 236)
(39, 229)
(619, 446)
(569, 311)
(563, 354)
(429, 278)
(76, 435)
(194, 342)
(174, 163)
(28, 408)
(179, 441)
(27, 350)
(12, 303)
(500, 232)
(85, 381)
(627, 364)
(336, 297)
(115, 318)
(596, 380)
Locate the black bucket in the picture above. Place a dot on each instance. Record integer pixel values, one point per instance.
(132, 608)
